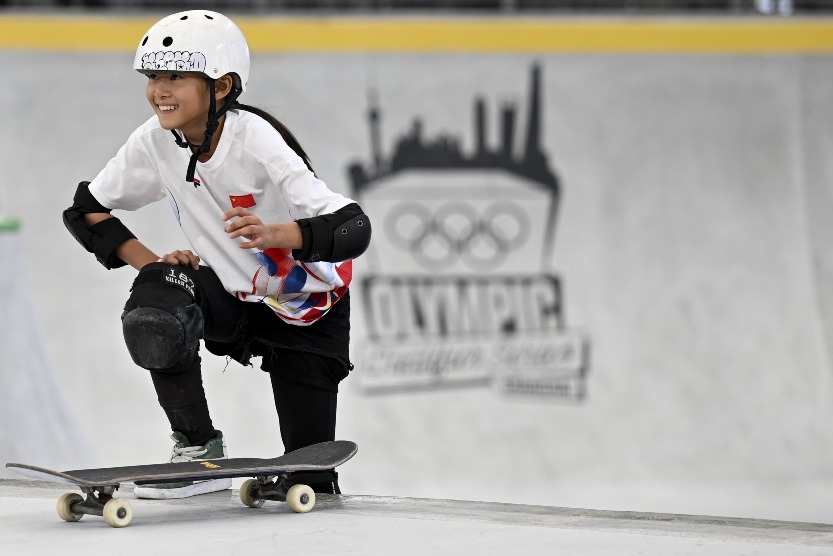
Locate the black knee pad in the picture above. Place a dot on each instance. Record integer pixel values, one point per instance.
(162, 322)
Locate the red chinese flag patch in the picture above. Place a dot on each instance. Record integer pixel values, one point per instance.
(242, 201)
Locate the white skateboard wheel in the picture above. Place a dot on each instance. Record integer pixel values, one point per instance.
(64, 506)
(118, 513)
(246, 494)
(300, 499)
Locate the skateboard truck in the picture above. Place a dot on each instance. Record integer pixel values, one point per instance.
(116, 512)
(255, 492)
(94, 504)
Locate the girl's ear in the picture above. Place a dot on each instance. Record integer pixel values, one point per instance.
(222, 86)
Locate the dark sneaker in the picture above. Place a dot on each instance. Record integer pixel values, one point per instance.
(183, 451)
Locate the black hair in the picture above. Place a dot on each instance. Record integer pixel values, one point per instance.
(287, 135)
(231, 103)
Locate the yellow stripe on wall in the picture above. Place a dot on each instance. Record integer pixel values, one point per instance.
(270, 34)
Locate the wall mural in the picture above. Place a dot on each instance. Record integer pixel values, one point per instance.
(459, 291)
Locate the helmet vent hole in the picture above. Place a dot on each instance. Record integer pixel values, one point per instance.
(183, 18)
(167, 41)
(208, 16)
(144, 41)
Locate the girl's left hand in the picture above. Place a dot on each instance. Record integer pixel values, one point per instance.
(181, 258)
(260, 235)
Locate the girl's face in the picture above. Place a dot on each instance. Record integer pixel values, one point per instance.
(180, 100)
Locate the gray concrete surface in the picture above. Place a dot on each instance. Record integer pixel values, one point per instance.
(219, 524)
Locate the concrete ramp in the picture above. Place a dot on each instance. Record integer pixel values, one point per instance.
(38, 418)
(688, 274)
(219, 524)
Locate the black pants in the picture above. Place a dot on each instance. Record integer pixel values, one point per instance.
(307, 414)
(305, 364)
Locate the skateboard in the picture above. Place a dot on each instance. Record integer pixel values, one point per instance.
(269, 475)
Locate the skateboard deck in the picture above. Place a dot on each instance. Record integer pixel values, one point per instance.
(100, 484)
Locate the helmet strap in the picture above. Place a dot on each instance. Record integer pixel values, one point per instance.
(211, 126)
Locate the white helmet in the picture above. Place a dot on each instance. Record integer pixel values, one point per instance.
(195, 40)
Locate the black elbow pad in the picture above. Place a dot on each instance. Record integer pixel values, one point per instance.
(351, 238)
(342, 235)
(100, 239)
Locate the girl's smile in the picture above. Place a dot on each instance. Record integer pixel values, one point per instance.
(180, 101)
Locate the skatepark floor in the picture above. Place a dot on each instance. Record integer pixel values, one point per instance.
(219, 524)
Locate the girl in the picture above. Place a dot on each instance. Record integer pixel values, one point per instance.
(270, 264)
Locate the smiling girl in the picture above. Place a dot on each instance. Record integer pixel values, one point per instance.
(271, 246)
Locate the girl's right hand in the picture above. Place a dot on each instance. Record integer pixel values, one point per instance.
(181, 258)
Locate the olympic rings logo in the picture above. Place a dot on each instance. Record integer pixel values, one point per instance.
(457, 231)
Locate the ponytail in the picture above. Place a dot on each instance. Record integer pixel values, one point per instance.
(282, 129)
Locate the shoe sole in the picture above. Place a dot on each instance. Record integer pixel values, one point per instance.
(202, 487)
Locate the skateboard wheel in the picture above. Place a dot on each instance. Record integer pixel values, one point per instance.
(64, 506)
(118, 512)
(246, 494)
(300, 499)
